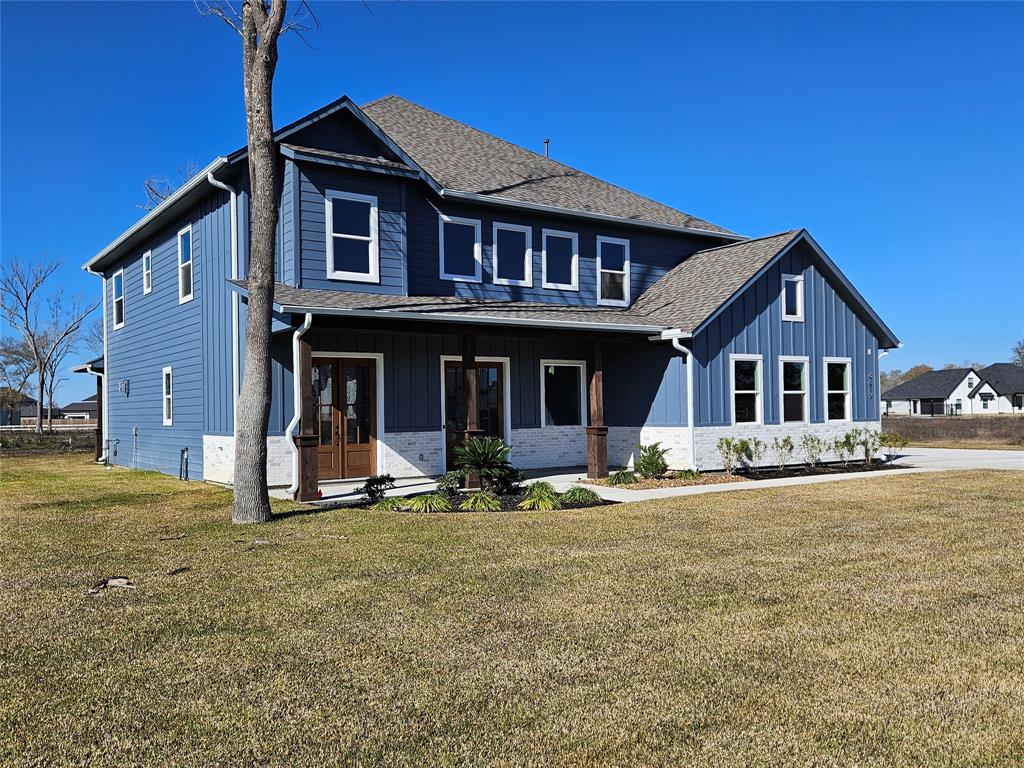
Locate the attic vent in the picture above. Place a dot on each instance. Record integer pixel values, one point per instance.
(547, 147)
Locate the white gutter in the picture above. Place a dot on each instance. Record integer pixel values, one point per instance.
(296, 402)
(475, 319)
(184, 189)
(472, 197)
(678, 344)
(105, 405)
(235, 375)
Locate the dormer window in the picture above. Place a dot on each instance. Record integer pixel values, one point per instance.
(793, 297)
(353, 250)
(512, 257)
(612, 271)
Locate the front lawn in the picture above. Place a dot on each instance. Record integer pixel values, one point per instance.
(870, 622)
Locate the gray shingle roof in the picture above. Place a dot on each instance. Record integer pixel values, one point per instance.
(933, 385)
(453, 308)
(1006, 378)
(690, 292)
(464, 159)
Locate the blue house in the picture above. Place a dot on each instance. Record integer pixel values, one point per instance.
(419, 260)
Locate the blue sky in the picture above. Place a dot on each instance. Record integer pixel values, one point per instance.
(893, 132)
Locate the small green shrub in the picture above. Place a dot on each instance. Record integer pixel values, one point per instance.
(894, 442)
(870, 442)
(742, 453)
(783, 450)
(486, 457)
(428, 502)
(508, 481)
(844, 447)
(652, 462)
(577, 494)
(727, 449)
(375, 486)
(450, 484)
(622, 477)
(813, 447)
(757, 448)
(388, 504)
(688, 474)
(541, 497)
(481, 501)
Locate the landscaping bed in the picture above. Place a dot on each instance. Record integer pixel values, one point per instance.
(683, 479)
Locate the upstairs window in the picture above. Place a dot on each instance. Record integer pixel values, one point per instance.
(793, 297)
(353, 250)
(793, 375)
(560, 260)
(460, 249)
(147, 272)
(512, 255)
(612, 271)
(746, 389)
(970, 382)
(837, 389)
(185, 265)
(119, 299)
(168, 396)
(562, 397)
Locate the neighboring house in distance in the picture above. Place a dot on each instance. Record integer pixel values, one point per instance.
(949, 392)
(24, 413)
(1006, 380)
(83, 409)
(419, 260)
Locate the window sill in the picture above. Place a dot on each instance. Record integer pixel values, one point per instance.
(560, 287)
(461, 278)
(513, 283)
(354, 277)
(186, 299)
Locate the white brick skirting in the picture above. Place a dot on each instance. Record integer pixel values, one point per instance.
(549, 447)
(623, 442)
(219, 459)
(709, 457)
(412, 454)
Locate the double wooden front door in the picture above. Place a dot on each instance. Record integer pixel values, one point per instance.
(345, 395)
(491, 400)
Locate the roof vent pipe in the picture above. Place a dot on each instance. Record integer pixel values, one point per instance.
(547, 147)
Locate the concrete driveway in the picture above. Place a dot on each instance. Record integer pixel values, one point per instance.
(961, 458)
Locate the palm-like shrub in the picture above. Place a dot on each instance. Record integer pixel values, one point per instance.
(388, 504)
(622, 477)
(577, 494)
(428, 502)
(542, 497)
(486, 457)
(481, 501)
(652, 462)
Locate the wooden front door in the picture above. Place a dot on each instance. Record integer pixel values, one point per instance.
(346, 403)
(491, 411)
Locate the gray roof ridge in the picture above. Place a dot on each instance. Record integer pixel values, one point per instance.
(748, 241)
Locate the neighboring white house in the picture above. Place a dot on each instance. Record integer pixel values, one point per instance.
(1005, 381)
(83, 409)
(999, 388)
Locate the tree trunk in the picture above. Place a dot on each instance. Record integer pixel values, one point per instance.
(41, 380)
(259, 53)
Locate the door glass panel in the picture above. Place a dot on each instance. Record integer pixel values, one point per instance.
(357, 404)
(323, 391)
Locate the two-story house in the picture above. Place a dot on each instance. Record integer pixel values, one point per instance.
(434, 281)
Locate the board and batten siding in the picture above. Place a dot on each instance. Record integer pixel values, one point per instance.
(753, 324)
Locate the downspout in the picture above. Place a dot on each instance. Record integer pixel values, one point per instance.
(106, 367)
(235, 368)
(678, 344)
(296, 402)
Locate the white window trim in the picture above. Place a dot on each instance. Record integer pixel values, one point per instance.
(373, 276)
(849, 388)
(799, 316)
(527, 281)
(806, 390)
(477, 277)
(114, 299)
(759, 402)
(182, 296)
(624, 302)
(575, 284)
(167, 396)
(147, 274)
(582, 365)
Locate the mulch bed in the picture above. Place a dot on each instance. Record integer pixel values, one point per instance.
(509, 503)
(671, 481)
(765, 473)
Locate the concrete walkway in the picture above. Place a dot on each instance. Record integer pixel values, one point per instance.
(914, 460)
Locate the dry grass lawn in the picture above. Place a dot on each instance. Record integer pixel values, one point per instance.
(873, 622)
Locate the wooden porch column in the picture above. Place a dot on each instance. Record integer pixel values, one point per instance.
(597, 432)
(307, 439)
(471, 389)
(99, 417)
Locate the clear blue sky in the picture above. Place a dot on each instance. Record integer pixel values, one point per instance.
(894, 133)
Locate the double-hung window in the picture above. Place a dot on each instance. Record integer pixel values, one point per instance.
(793, 297)
(563, 401)
(746, 389)
(353, 249)
(185, 265)
(460, 249)
(512, 254)
(168, 396)
(118, 289)
(837, 388)
(560, 260)
(793, 386)
(612, 271)
(147, 272)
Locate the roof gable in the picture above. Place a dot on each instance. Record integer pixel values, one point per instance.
(931, 385)
(1005, 378)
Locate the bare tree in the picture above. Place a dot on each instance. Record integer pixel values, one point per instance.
(92, 337)
(1017, 353)
(159, 188)
(16, 367)
(22, 301)
(260, 25)
(55, 366)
